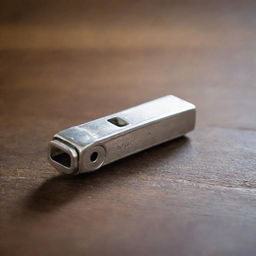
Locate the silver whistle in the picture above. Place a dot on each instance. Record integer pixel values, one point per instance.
(89, 146)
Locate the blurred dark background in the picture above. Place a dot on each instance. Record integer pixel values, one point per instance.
(128, 52)
(63, 63)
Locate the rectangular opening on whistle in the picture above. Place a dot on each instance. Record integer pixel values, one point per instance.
(60, 157)
(117, 121)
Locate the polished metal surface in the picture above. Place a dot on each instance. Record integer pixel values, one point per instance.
(89, 146)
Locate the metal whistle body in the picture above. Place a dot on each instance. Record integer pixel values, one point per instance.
(89, 146)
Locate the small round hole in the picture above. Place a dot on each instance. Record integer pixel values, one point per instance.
(94, 156)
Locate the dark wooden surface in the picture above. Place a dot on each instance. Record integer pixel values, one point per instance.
(63, 63)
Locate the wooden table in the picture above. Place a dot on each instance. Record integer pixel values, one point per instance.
(64, 63)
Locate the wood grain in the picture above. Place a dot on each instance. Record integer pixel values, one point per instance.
(63, 63)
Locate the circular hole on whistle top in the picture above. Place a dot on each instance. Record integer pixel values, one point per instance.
(94, 156)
